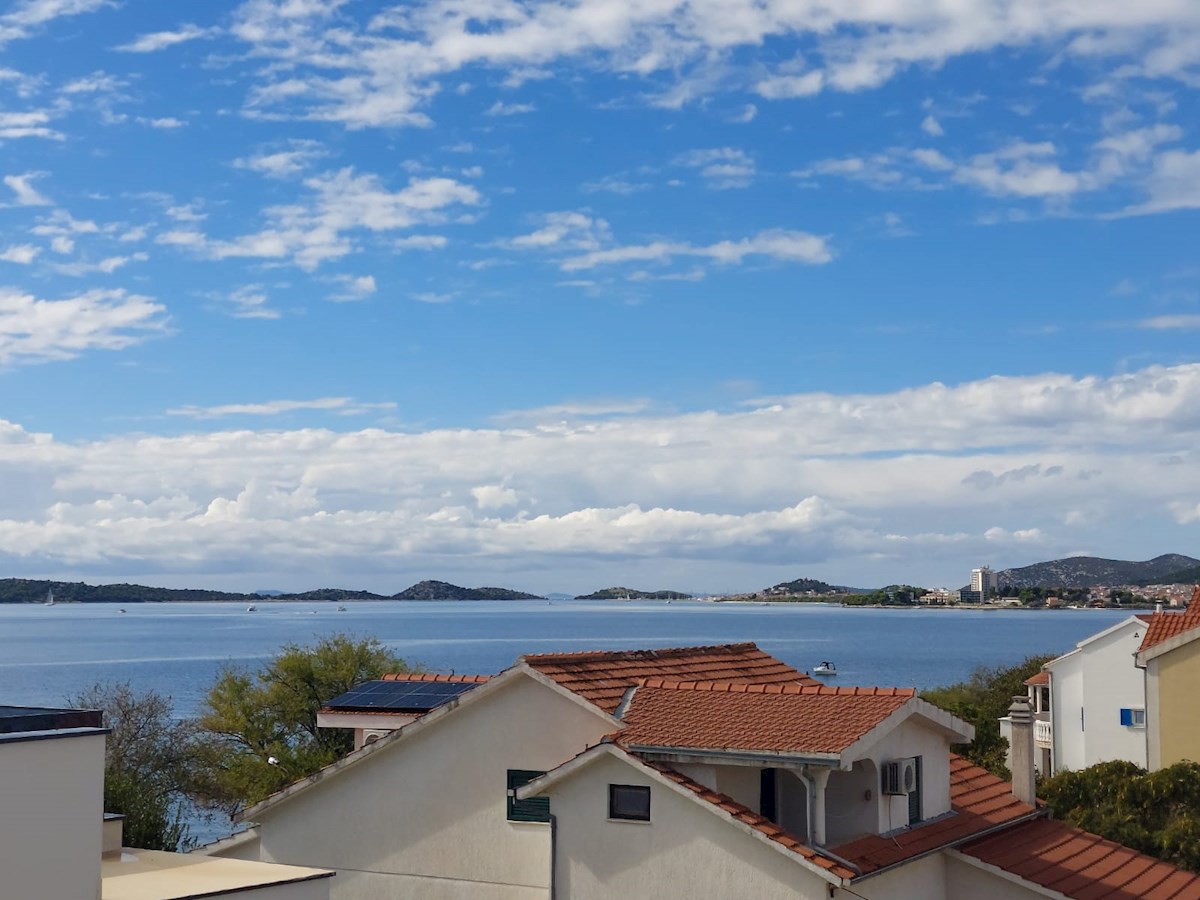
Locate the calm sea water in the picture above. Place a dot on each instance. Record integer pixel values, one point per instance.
(48, 654)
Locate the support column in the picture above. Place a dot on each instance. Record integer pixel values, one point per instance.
(1024, 785)
(820, 778)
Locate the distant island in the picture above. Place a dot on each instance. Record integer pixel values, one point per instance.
(26, 590)
(624, 593)
(1090, 571)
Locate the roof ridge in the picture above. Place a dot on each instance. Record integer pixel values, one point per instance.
(644, 653)
(744, 687)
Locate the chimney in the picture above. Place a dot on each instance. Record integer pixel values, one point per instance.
(1022, 750)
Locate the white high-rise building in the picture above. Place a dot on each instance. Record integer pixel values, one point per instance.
(984, 581)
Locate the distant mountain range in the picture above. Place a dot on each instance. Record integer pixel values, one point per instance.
(624, 593)
(1089, 571)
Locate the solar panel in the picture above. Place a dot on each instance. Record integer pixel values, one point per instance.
(400, 695)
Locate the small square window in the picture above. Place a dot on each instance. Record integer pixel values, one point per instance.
(1133, 718)
(629, 801)
(534, 809)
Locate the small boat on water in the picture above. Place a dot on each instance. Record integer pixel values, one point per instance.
(49, 598)
(825, 668)
(251, 608)
(341, 609)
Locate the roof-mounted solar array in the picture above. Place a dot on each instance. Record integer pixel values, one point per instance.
(400, 696)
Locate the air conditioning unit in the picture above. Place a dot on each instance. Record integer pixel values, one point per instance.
(371, 735)
(900, 776)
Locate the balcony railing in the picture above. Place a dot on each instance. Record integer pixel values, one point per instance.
(1041, 734)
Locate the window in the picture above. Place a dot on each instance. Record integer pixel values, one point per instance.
(629, 801)
(535, 809)
(1134, 718)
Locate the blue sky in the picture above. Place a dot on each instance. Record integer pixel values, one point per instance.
(561, 295)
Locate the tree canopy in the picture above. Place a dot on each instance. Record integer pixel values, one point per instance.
(982, 700)
(1157, 813)
(148, 760)
(250, 718)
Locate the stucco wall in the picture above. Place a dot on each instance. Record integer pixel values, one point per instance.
(851, 803)
(684, 852)
(923, 879)
(51, 817)
(425, 818)
(1100, 679)
(1178, 687)
(914, 739)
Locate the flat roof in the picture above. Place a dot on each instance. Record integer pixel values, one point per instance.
(16, 720)
(159, 875)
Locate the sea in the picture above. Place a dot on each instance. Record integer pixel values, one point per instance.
(48, 654)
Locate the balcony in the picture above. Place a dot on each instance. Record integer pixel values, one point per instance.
(1042, 736)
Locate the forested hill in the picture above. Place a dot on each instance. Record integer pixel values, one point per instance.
(441, 590)
(1088, 571)
(624, 593)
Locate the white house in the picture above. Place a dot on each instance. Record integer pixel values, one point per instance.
(1090, 703)
(709, 772)
(57, 844)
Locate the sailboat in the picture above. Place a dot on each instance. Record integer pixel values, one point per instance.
(49, 598)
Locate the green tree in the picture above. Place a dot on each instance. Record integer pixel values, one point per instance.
(982, 700)
(148, 757)
(259, 730)
(1157, 813)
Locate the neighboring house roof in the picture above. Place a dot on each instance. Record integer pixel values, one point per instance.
(980, 802)
(1166, 625)
(1081, 865)
(1041, 678)
(158, 875)
(774, 718)
(602, 677)
(1136, 621)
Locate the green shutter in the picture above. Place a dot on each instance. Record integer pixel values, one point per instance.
(535, 809)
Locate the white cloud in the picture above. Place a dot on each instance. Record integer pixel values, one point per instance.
(613, 184)
(161, 40)
(1176, 323)
(354, 287)
(341, 203)
(250, 301)
(778, 244)
(1174, 183)
(433, 297)
(721, 167)
(32, 123)
(26, 193)
(509, 109)
(857, 478)
(21, 254)
(105, 266)
(931, 126)
(341, 405)
(299, 156)
(166, 123)
(26, 15)
(36, 330)
(576, 230)
(420, 242)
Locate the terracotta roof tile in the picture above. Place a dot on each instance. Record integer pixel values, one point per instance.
(759, 823)
(980, 802)
(1041, 678)
(783, 718)
(1164, 625)
(602, 677)
(435, 676)
(1080, 865)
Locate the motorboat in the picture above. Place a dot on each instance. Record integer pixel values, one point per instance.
(825, 668)
(251, 608)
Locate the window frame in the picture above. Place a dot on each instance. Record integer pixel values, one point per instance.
(640, 790)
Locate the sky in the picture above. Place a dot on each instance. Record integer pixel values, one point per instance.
(561, 295)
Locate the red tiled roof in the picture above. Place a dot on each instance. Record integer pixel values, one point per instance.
(980, 801)
(602, 677)
(1164, 625)
(435, 676)
(791, 718)
(1041, 678)
(1082, 865)
(759, 823)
